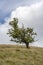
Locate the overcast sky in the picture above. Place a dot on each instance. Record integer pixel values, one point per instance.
(29, 12)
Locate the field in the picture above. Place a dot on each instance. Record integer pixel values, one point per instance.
(20, 55)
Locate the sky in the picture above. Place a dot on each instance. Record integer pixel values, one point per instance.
(28, 12)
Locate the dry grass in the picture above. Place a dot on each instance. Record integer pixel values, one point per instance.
(19, 55)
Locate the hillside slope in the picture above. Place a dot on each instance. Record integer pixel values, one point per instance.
(19, 55)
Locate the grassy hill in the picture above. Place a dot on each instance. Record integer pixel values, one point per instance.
(19, 55)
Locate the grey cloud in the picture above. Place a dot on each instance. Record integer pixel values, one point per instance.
(6, 6)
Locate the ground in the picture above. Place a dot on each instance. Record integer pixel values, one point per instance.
(20, 55)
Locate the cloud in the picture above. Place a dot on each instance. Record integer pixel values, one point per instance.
(8, 5)
(31, 16)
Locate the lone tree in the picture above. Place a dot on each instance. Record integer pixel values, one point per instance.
(24, 35)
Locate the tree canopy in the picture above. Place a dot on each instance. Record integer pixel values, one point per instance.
(25, 35)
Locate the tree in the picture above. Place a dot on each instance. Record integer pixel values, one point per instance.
(25, 35)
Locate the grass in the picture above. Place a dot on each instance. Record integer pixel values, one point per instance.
(19, 55)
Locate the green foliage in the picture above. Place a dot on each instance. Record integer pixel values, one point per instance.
(25, 35)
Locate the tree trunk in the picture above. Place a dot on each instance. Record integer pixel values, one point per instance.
(27, 45)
